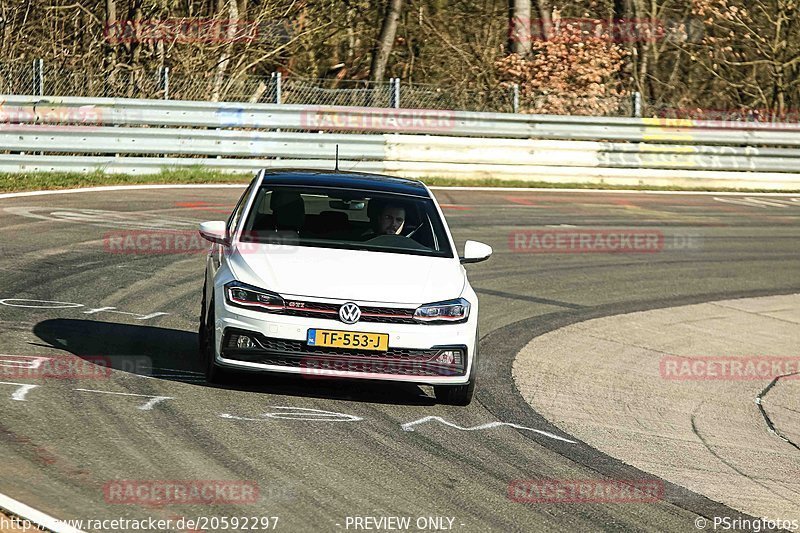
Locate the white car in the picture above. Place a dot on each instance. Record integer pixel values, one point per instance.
(340, 275)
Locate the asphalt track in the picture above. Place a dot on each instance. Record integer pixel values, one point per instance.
(60, 446)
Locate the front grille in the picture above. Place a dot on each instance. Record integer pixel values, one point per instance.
(319, 360)
(385, 315)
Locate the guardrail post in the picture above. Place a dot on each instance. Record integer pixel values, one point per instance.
(276, 80)
(637, 104)
(165, 83)
(395, 85)
(515, 88)
(38, 77)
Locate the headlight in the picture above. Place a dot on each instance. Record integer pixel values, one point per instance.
(443, 312)
(241, 295)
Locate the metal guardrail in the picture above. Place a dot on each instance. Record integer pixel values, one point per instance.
(153, 165)
(292, 145)
(242, 137)
(131, 112)
(591, 154)
(165, 141)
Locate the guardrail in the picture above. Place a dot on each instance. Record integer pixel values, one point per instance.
(132, 112)
(118, 135)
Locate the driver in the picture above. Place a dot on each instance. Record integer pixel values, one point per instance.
(391, 219)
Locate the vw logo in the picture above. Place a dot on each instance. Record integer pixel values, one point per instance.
(349, 313)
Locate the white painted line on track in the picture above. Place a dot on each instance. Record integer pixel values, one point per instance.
(37, 517)
(147, 406)
(609, 191)
(178, 371)
(113, 188)
(409, 426)
(21, 392)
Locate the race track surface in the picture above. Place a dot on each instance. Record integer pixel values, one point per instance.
(65, 441)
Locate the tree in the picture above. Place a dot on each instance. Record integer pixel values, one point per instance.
(751, 51)
(383, 47)
(520, 28)
(574, 72)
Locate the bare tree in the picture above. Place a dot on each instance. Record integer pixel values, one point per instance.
(110, 33)
(682, 55)
(751, 50)
(571, 73)
(225, 54)
(545, 19)
(520, 26)
(380, 57)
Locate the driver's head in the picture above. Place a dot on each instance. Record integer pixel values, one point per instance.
(391, 219)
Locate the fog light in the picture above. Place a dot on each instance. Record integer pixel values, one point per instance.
(244, 343)
(448, 357)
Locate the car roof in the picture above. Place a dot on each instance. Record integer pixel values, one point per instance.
(346, 180)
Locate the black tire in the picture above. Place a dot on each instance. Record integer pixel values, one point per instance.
(460, 394)
(455, 394)
(207, 335)
(201, 331)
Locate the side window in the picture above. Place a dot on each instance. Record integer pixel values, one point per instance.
(233, 220)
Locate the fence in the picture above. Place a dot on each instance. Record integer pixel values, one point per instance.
(42, 79)
(145, 136)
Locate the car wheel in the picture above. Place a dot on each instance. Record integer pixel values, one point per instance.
(460, 394)
(455, 394)
(214, 374)
(201, 331)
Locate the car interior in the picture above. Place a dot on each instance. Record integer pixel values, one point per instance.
(288, 213)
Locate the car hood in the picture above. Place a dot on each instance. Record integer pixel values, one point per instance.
(349, 274)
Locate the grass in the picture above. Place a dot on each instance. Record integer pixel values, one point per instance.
(32, 181)
(35, 181)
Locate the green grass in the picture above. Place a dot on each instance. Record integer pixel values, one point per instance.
(493, 182)
(32, 181)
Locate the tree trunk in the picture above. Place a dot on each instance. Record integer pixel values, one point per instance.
(351, 36)
(136, 51)
(380, 57)
(110, 52)
(545, 19)
(520, 26)
(224, 57)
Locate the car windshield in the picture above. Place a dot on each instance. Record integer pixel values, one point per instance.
(347, 219)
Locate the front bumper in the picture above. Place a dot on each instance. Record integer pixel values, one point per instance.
(418, 353)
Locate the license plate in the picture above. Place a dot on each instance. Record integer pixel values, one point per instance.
(348, 339)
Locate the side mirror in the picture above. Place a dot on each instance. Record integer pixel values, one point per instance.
(214, 231)
(475, 252)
